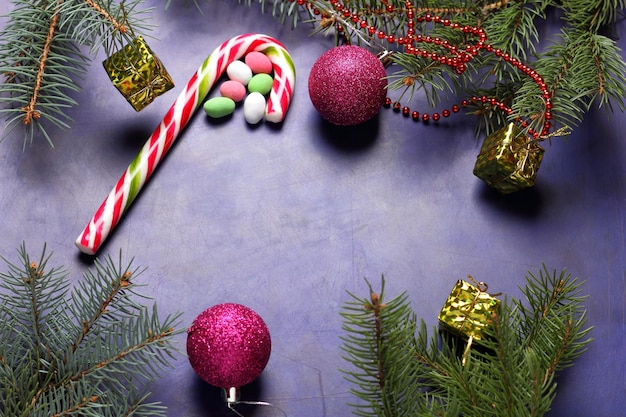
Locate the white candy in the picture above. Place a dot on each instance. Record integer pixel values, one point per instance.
(254, 108)
(239, 71)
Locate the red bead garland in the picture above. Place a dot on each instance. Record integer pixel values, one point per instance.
(406, 111)
(457, 58)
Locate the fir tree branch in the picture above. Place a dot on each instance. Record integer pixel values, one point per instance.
(555, 305)
(42, 60)
(121, 281)
(152, 339)
(592, 15)
(425, 355)
(513, 29)
(30, 112)
(387, 378)
(597, 77)
(51, 363)
(118, 26)
(510, 371)
(78, 407)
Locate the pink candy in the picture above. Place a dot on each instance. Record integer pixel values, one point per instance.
(234, 90)
(255, 63)
(258, 62)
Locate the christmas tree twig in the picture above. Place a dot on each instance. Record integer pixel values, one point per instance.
(581, 67)
(88, 350)
(398, 368)
(42, 57)
(117, 25)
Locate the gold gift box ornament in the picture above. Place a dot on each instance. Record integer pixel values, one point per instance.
(508, 161)
(468, 311)
(138, 73)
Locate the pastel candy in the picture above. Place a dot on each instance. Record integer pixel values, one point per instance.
(219, 107)
(260, 83)
(234, 90)
(239, 71)
(254, 107)
(258, 62)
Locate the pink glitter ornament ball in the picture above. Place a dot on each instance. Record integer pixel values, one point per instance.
(228, 345)
(347, 85)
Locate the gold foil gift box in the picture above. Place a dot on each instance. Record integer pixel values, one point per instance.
(468, 311)
(138, 73)
(508, 161)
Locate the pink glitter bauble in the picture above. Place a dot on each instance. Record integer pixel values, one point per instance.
(347, 85)
(228, 345)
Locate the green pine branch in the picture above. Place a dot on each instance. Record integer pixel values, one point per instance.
(583, 67)
(382, 390)
(554, 304)
(398, 368)
(88, 350)
(42, 56)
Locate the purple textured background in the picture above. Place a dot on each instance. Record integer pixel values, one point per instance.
(285, 220)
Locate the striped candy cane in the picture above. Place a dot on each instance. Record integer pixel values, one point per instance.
(144, 164)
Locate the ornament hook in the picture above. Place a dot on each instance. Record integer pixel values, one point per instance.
(232, 397)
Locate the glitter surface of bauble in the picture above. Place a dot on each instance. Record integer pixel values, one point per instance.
(347, 85)
(228, 345)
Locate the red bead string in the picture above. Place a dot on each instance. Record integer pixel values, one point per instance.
(456, 58)
(425, 117)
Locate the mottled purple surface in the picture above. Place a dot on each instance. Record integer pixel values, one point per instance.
(347, 85)
(286, 219)
(228, 345)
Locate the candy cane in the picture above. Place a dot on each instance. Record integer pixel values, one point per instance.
(144, 164)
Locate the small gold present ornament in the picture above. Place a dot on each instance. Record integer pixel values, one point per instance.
(138, 73)
(508, 161)
(468, 311)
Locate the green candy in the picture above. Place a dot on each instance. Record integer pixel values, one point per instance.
(219, 107)
(260, 83)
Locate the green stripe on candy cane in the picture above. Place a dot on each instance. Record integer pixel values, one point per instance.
(204, 86)
(135, 180)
